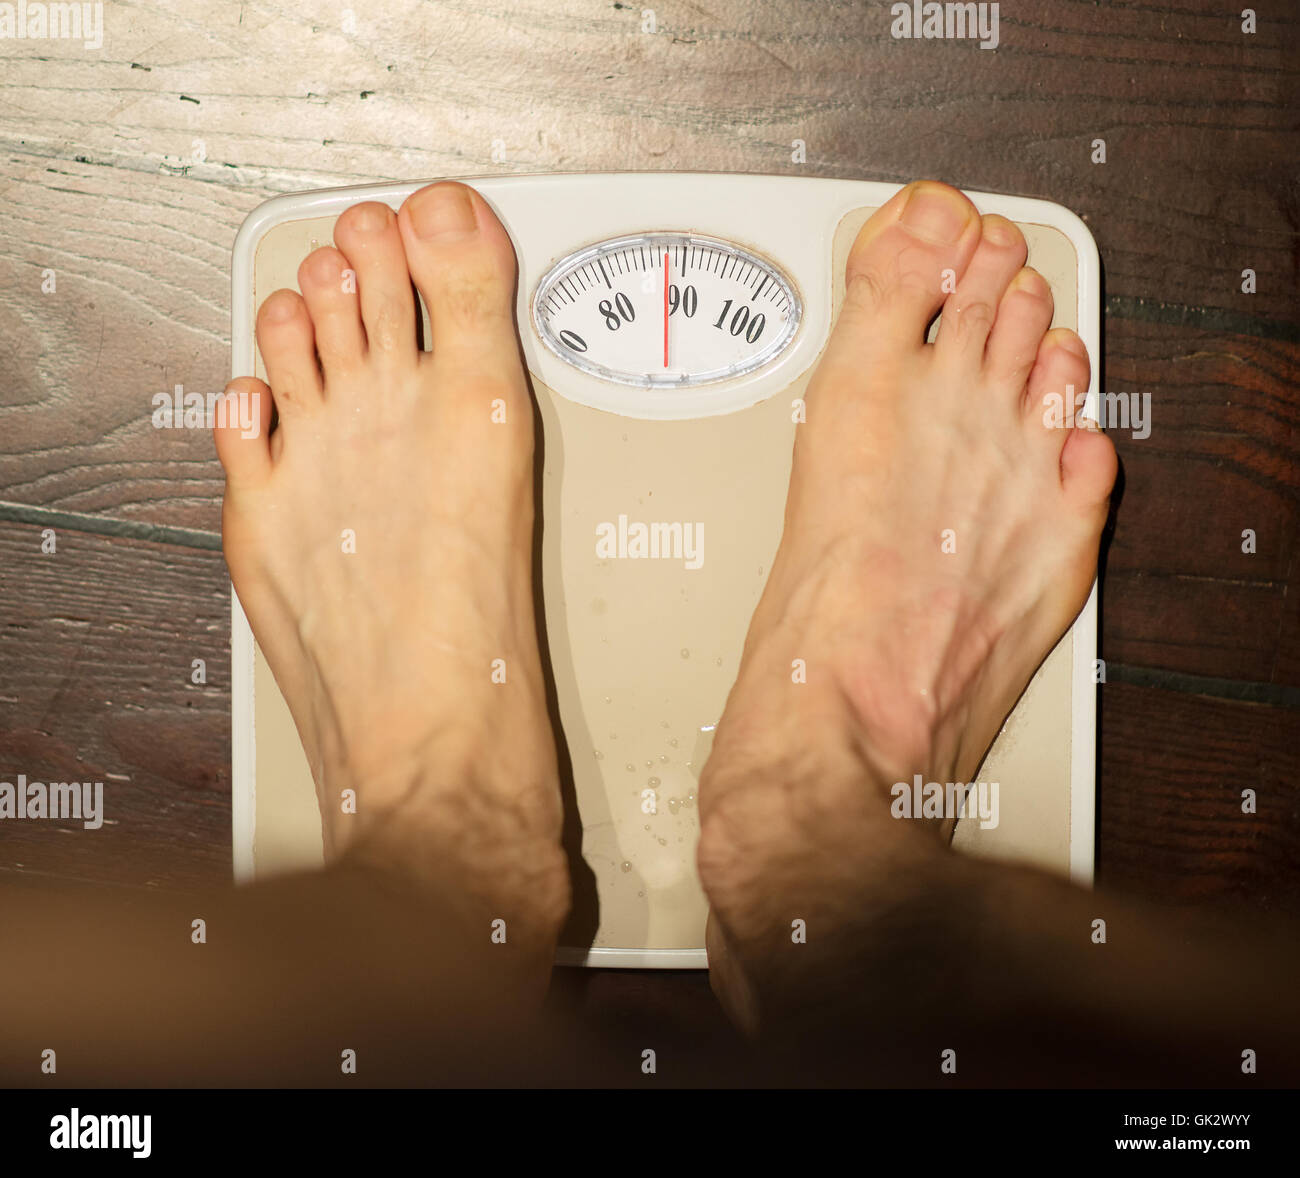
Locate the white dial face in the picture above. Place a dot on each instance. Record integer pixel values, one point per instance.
(665, 310)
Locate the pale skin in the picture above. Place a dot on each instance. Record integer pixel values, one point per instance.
(383, 643)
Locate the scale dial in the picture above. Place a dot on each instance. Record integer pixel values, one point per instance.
(666, 310)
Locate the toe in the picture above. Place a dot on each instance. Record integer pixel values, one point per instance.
(368, 237)
(1024, 315)
(1088, 465)
(329, 287)
(463, 264)
(286, 340)
(969, 312)
(242, 429)
(906, 260)
(1058, 384)
(1058, 380)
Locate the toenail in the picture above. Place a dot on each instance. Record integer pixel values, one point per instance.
(323, 266)
(1031, 282)
(443, 211)
(279, 310)
(1071, 343)
(937, 214)
(1000, 232)
(370, 217)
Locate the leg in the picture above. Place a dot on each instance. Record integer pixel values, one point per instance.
(939, 539)
(380, 540)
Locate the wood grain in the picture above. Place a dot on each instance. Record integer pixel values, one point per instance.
(1179, 592)
(1173, 768)
(97, 643)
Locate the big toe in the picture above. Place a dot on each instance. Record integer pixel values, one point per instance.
(906, 260)
(463, 264)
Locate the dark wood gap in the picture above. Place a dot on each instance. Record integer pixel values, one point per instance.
(107, 525)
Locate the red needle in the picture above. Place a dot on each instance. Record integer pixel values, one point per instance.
(665, 308)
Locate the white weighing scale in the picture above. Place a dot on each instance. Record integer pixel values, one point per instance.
(668, 427)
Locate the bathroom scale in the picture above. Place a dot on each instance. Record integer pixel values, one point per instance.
(670, 323)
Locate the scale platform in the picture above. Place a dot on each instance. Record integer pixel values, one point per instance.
(669, 320)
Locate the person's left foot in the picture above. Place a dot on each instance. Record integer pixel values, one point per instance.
(380, 541)
(940, 536)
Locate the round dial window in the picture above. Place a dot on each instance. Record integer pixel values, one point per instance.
(665, 310)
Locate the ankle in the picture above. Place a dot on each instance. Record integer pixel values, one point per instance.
(446, 826)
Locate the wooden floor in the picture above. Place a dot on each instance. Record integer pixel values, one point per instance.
(126, 171)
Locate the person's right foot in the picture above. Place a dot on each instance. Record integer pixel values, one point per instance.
(381, 543)
(939, 539)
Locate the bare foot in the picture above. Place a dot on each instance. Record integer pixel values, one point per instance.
(939, 539)
(380, 541)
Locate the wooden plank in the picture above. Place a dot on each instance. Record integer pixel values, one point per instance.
(96, 644)
(140, 304)
(1180, 592)
(1173, 768)
(1286, 666)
